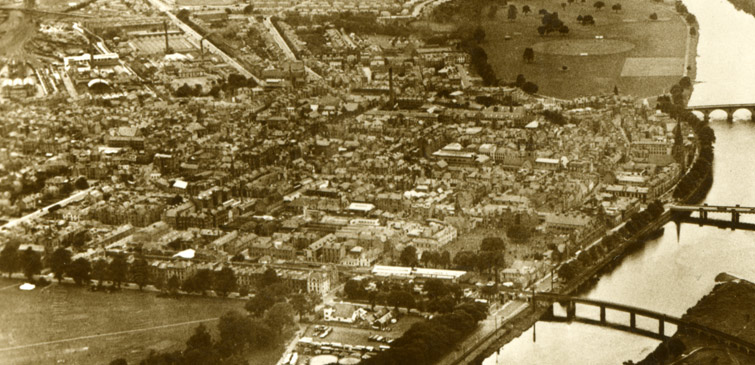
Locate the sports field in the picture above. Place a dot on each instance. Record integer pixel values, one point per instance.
(594, 56)
(74, 325)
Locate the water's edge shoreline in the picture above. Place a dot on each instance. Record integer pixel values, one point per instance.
(523, 321)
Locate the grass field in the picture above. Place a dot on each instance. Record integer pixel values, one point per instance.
(68, 312)
(591, 74)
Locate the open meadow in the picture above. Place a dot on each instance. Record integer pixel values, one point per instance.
(65, 324)
(594, 66)
(623, 49)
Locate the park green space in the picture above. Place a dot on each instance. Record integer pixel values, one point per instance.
(67, 312)
(628, 33)
(594, 66)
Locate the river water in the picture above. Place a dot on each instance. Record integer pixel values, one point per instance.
(671, 274)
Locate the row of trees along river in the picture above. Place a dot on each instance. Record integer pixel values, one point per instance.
(670, 274)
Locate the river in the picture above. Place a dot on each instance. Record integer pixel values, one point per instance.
(671, 274)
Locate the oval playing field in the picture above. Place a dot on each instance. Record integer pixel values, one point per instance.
(583, 47)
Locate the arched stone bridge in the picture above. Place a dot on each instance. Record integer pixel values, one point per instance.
(728, 108)
(570, 303)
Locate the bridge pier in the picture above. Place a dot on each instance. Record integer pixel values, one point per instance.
(703, 213)
(730, 116)
(661, 329)
(602, 314)
(734, 217)
(571, 311)
(632, 320)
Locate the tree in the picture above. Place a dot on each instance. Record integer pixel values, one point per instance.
(225, 281)
(118, 269)
(430, 257)
(479, 34)
(235, 332)
(616, 7)
(466, 260)
(31, 263)
(81, 183)
(354, 289)
(529, 87)
(401, 298)
(445, 259)
(100, 271)
(541, 30)
(200, 340)
(119, 361)
(409, 256)
(9, 258)
(248, 9)
(59, 261)
(140, 272)
(200, 282)
(599, 5)
(173, 284)
(526, 9)
(564, 30)
(262, 301)
(654, 16)
(588, 20)
(685, 81)
(301, 304)
(280, 316)
(262, 335)
(529, 55)
(512, 13)
(435, 288)
(269, 277)
(183, 14)
(492, 244)
(692, 31)
(184, 91)
(79, 270)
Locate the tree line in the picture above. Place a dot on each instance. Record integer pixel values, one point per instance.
(572, 268)
(427, 342)
(269, 314)
(700, 174)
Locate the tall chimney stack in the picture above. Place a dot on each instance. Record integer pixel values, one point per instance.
(165, 28)
(390, 85)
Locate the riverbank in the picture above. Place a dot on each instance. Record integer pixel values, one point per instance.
(727, 308)
(609, 261)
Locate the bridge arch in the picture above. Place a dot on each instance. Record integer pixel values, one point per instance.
(729, 113)
(682, 325)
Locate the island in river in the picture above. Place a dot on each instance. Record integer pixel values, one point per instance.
(727, 308)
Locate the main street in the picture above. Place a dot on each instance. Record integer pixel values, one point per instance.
(285, 48)
(42, 211)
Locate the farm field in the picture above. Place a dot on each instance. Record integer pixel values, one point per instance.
(101, 326)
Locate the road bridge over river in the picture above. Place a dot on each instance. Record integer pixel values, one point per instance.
(706, 110)
(570, 304)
